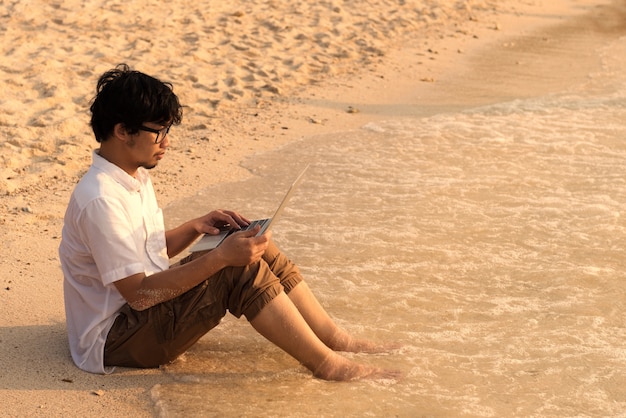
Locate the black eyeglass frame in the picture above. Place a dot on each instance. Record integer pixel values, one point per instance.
(157, 131)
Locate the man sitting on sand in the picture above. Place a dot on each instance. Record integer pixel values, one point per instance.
(125, 306)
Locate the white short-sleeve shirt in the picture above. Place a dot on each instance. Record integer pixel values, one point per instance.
(113, 229)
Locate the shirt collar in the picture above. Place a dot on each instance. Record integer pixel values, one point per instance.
(122, 177)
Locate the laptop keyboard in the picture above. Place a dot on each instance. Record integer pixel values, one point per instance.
(256, 222)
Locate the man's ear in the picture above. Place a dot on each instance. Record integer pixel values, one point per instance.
(120, 132)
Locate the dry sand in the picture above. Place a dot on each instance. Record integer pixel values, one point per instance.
(254, 75)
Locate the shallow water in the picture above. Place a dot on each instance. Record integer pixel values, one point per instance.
(489, 242)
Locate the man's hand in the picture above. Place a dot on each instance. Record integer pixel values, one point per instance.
(239, 249)
(214, 221)
(243, 248)
(179, 238)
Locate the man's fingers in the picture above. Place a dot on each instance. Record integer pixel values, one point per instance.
(236, 220)
(250, 232)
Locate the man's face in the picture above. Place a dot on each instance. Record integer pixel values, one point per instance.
(148, 146)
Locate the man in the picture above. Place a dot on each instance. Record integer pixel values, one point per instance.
(125, 306)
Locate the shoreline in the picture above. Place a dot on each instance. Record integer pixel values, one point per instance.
(420, 80)
(39, 378)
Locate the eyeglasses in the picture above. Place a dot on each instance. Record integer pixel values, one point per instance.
(161, 134)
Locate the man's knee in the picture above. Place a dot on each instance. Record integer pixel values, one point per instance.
(281, 266)
(250, 288)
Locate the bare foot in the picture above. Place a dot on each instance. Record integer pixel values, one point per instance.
(342, 341)
(338, 368)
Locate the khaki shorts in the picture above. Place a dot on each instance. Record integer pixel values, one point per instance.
(158, 335)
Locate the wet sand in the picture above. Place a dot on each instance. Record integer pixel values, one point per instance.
(238, 70)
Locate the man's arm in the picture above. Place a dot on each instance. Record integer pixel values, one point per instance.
(240, 249)
(179, 238)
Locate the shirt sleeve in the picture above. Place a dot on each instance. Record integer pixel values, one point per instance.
(112, 233)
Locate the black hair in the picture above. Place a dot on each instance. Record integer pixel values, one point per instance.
(132, 98)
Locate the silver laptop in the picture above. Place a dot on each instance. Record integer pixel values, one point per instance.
(209, 242)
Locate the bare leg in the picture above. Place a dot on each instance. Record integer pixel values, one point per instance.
(315, 315)
(325, 328)
(281, 323)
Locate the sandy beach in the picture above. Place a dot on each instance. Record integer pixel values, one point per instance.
(254, 76)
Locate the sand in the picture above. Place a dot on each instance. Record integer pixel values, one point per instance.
(254, 76)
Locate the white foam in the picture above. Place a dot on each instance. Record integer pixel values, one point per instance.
(490, 242)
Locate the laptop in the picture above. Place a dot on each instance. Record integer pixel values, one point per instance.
(209, 242)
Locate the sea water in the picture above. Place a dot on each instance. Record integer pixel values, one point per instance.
(489, 242)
